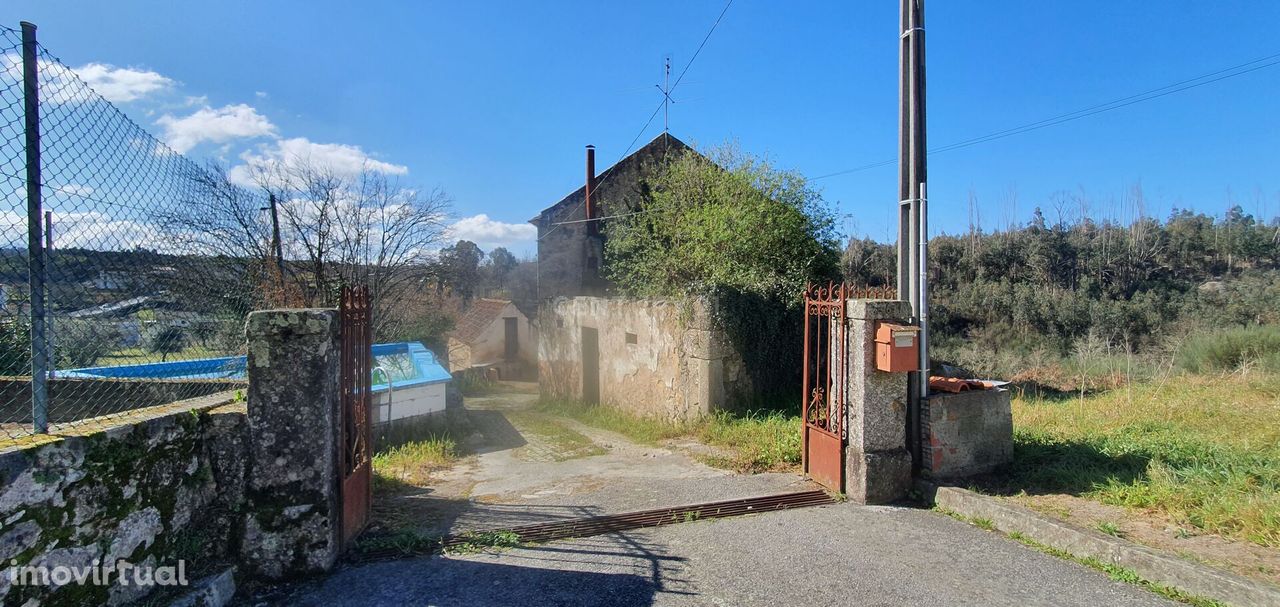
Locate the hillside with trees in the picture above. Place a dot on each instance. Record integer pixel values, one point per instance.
(1005, 300)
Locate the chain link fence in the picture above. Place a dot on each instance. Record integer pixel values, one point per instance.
(116, 288)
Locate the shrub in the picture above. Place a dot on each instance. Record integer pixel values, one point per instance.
(1231, 349)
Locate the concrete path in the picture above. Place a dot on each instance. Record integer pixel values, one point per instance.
(832, 555)
(530, 467)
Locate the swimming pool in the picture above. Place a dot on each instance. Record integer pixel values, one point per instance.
(407, 379)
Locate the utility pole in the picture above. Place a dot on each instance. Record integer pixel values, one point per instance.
(912, 177)
(276, 247)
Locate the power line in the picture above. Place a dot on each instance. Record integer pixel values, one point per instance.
(1156, 93)
(655, 113)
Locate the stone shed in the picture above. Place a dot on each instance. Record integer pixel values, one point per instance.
(656, 357)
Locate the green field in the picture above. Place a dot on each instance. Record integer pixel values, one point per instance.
(1202, 450)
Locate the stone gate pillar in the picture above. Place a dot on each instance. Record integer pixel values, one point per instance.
(877, 464)
(291, 519)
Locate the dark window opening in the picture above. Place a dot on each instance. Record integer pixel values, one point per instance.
(631, 338)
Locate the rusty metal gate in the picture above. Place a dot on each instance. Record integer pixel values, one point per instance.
(825, 362)
(356, 411)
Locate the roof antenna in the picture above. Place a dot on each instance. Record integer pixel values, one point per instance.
(665, 87)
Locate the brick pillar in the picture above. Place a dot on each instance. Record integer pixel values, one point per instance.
(291, 521)
(877, 464)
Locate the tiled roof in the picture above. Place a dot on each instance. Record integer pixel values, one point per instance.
(478, 318)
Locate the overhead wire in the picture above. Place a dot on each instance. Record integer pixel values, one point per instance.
(1156, 93)
(652, 116)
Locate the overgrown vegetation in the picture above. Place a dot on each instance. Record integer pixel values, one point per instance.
(723, 220)
(755, 441)
(1078, 288)
(412, 463)
(1239, 348)
(1203, 451)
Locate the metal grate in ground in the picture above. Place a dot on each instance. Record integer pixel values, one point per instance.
(598, 525)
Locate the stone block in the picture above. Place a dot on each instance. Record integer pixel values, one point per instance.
(293, 511)
(877, 477)
(878, 309)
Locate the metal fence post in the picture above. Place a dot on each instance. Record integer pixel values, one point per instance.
(35, 246)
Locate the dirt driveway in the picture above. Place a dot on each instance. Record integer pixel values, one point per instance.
(527, 466)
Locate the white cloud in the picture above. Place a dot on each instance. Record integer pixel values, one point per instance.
(218, 125)
(288, 154)
(260, 94)
(121, 84)
(482, 230)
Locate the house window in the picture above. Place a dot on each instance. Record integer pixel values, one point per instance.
(631, 339)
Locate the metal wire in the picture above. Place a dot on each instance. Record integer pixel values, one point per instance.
(146, 295)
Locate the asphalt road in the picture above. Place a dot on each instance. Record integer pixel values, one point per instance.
(833, 555)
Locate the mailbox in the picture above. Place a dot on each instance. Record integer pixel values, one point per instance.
(897, 347)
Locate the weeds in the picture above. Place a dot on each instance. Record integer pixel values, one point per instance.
(1120, 574)
(483, 541)
(1109, 528)
(412, 463)
(758, 441)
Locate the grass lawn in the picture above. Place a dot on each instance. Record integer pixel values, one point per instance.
(753, 442)
(1202, 451)
(136, 356)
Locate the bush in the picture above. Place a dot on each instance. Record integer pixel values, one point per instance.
(1231, 349)
(79, 343)
(15, 347)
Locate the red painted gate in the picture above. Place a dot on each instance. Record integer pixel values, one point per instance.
(824, 384)
(356, 411)
(826, 366)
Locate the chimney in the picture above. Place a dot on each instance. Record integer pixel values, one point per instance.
(591, 183)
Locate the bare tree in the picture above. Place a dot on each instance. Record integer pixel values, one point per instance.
(363, 228)
(337, 229)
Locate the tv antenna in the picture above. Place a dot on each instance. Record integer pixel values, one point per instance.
(665, 87)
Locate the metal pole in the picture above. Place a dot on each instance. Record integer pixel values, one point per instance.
(924, 293)
(35, 248)
(48, 264)
(911, 174)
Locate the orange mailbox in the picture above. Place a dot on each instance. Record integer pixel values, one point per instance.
(897, 348)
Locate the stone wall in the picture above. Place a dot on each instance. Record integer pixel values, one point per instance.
(966, 433)
(246, 477)
(161, 487)
(658, 357)
(74, 399)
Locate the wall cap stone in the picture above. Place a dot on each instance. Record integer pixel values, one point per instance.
(878, 309)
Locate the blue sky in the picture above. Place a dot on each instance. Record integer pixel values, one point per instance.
(493, 102)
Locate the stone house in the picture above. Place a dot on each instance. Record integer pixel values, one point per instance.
(494, 334)
(570, 241)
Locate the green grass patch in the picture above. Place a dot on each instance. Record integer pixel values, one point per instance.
(1232, 349)
(484, 541)
(754, 441)
(564, 441)
(1204, 451)
(411, 463)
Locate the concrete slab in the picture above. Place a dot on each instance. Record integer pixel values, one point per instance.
(517, 478)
